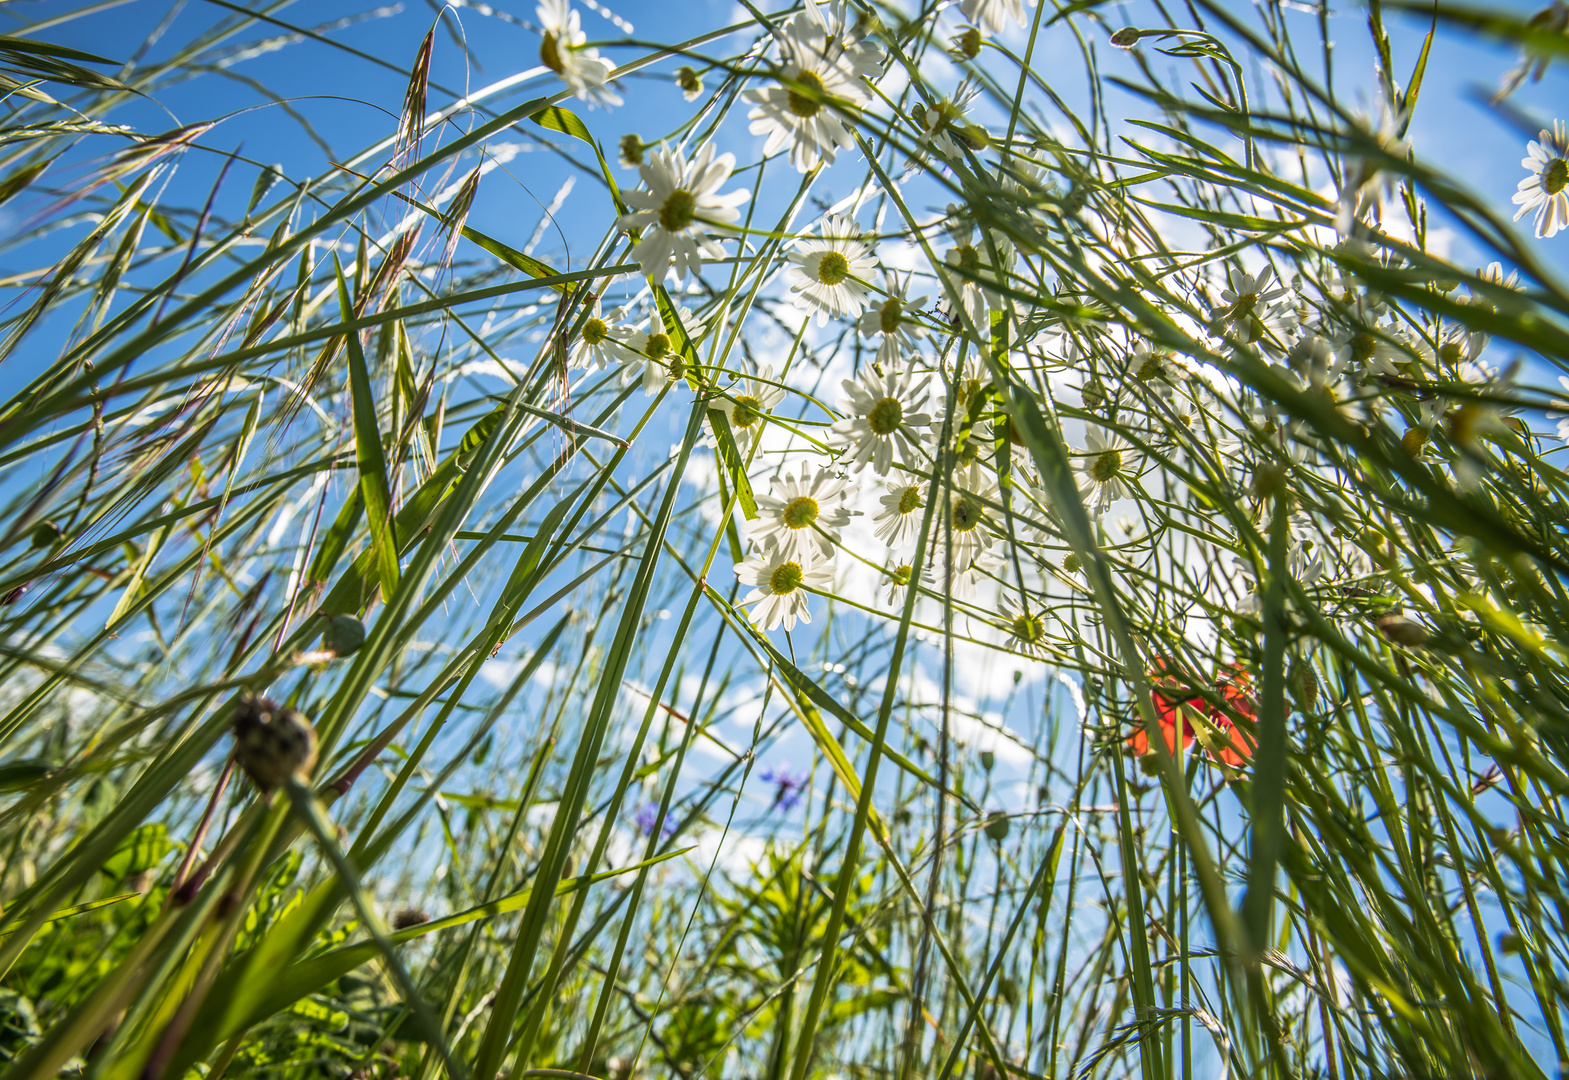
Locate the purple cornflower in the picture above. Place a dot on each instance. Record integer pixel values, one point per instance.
(647, 817)
(788, 787)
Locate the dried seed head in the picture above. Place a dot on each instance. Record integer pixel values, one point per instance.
(404, 918)
(272, 744)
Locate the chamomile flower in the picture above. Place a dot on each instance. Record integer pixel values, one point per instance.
(899, 519)
(944, 127)
(897, 576)
(680, 207)
(890, 318)
(1368, 349)
(885, 416)
(1562, 417)
(598, 343)
(1104, 470)
(652, 353)
(802, 514)
(1026, 627)
(981, 263)
(562, 50)
(828, 272)
(748, 405)
(780, 582)
(992, 15)
(1248, 305)
(1546, 190)
(818, 75)
(969, 509)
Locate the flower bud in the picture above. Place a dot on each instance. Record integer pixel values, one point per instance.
(343, 636)
(272, 744)
(1127, 37)
(47, 535)
(967, 44)
(996, 826)
(631, 151)
(1402, 631)
(690, 82)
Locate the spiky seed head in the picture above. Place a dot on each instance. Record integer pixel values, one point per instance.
(271, 743)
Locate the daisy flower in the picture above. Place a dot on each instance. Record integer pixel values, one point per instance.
(973, 489)
(895, 524)
(896, 579)
(1026, 628)
(562, 50)
(992, 15)
(679, 208)
(965, 580)
(943, 126)
(1248, 304)
(1104, 467)
(1368, 349)
(885, 417)
(652, 354)
(1547, 159)
(748, 406)
(598, 343)
(802, 515)
(888, 317)
(829, 271)
(977, 273)
(819, 73)
(1147, 364)
(779, 582)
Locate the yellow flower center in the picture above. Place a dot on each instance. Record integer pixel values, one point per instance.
(1106, 465)
(833, 268)
(1362, 345)
(886, 416)
(747, 410)
(1556, 176)
(1028, 629)
(800, 512)
(910, 500)
(786, 578)
(595, 331)
(658, 346)
(969, 258)
(679, 210)
(966, 515)
(804, 105)
(891, 316)
(901, 574)
(1152, 366)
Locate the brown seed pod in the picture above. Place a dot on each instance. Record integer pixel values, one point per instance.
(404, 918)
(272, 744)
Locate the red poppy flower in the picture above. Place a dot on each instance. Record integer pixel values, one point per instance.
(1236, 690)
(1168, 708)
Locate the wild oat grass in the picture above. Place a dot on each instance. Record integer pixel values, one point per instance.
(942, 581)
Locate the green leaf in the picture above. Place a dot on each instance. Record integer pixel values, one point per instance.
(372, 461)
(143, 849)
(255, 1000)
